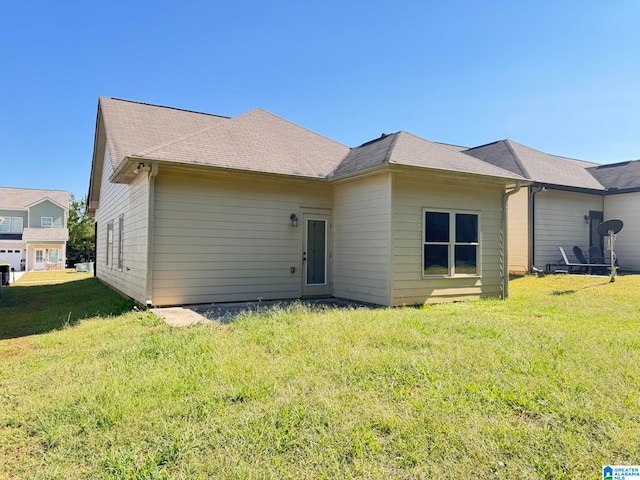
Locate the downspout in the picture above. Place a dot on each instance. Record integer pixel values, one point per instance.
(505, 243)
(532, 226)
(150, 227)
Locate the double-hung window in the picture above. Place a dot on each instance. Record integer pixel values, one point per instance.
(46, 222)
(451, 243)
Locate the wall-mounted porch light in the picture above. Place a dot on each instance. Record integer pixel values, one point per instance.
(586, 219)
(294, 220)
(141, 166)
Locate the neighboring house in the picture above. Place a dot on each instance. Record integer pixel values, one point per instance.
(33, 228)
(564, 205)
(194, 208)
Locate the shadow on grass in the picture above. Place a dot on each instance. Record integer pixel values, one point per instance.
(30, 310)
(569, 292)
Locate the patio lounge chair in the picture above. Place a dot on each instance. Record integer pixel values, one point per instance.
(595, 256)
(581, 267)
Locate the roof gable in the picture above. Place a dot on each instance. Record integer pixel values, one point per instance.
(23, 198)
(255, 141)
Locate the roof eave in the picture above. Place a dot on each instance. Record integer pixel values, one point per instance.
(571, 188)
(504, 180)
(125, 174)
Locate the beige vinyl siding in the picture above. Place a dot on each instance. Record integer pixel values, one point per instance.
(221, 237)
(361, 239)
(559, 222)
(518, 231)
(46, 209)
(626, 207)
(413, 193)
(132, 202)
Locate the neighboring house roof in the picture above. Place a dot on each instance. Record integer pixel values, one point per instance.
(134, 127)
(618, 176)
(536, 165)
(403, 148)
(255, 141)
(22, 198)
(46, 234)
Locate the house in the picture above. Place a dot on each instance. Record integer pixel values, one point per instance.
(564, 204)
(195, 208)
(33, 228)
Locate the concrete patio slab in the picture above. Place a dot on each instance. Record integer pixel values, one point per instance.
(178, 316)
(227, 312)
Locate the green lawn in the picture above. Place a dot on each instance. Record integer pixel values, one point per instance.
(544, 385)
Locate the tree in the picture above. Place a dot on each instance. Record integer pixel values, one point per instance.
(81, 246)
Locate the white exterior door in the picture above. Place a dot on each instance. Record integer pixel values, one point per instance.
(39, 263)
(316, 265)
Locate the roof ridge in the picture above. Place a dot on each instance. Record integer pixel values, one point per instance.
(394, 140)
(174, 141)
(295, 125)
(164, 106)
(226, 125)
(516, 159)
(593, 164)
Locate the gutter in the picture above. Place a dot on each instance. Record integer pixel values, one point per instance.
(505, 243)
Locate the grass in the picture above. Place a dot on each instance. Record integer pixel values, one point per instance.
(43, 301)
(544, 385)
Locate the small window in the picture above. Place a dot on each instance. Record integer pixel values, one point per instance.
(46, 222)
(120, 241)
(110, 243)
(16, 225)
(451, 244)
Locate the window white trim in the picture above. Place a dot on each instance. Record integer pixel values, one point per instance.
(120, 242)
(46, 222)
(109, 252)
(452, 243)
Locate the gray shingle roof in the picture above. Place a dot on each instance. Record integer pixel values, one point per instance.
(133, 127)
(619, 176)
(536, 165)
(262, 142)
(403, 148)
(255, 141)
(20, 198)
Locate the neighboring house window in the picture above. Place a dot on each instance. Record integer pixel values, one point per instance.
(110, 243)
(120, 241)
(16, 225)
(54, 255)
(451, 244)
(11, 224)
(46, 222)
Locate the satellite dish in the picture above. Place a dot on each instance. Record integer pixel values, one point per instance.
(609, 229)
(614, 225)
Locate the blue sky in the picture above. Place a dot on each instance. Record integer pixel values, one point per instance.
(562, 77)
